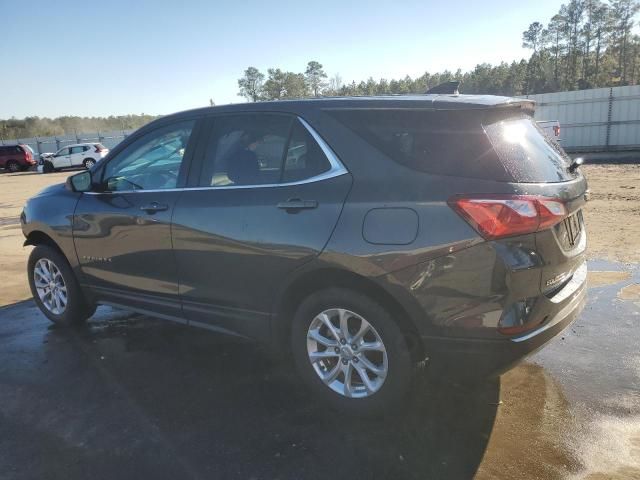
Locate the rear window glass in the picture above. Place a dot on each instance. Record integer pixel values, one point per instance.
(461, 144)
(526, 152)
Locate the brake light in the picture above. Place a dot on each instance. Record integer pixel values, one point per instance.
(499, 216)
(98, 149)
(556, 130)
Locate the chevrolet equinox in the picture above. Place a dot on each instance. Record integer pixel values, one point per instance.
(360, 236)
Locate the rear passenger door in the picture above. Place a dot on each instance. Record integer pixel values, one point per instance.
(264, 201)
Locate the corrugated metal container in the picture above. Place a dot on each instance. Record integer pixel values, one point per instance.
(597, 120)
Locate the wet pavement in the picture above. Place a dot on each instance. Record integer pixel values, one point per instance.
(134, 397)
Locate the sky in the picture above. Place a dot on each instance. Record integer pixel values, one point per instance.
(157, 57)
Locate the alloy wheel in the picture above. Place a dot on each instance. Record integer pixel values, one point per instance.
(50, 286)
(347, 353)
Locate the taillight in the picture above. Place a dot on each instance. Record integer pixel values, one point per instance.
(499, 216)
(98, 149)
(556, 130)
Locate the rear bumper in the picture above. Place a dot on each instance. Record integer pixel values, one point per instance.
(479, 357)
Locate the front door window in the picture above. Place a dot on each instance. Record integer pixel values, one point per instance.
(150, 163)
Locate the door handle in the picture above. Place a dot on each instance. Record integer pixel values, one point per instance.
(294, 204)
(154, 207)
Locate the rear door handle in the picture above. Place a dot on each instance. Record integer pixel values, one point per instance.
(154, 207)
(296, 204)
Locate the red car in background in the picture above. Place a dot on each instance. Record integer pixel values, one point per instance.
(14, 158)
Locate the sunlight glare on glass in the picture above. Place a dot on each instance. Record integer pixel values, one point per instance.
(514, 132)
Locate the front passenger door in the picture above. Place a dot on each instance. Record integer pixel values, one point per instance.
(122, 231)
(62, 158)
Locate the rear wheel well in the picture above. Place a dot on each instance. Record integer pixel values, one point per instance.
(326, 278)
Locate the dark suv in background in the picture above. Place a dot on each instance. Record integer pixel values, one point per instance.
(358, 236)
(14, 158)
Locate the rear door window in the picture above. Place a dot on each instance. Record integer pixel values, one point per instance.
(260, 149)
(246, 149)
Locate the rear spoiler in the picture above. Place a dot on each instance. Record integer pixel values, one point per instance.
(446, 88)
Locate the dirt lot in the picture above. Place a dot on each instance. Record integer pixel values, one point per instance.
(15, 189)
(613, 214)
(613, 220)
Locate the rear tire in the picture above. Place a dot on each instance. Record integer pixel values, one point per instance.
(319, 351)
(55, 289)
(88, 163)
(12, 166)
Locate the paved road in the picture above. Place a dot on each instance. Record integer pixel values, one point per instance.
(134, 397)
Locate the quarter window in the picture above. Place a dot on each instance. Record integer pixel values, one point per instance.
(151, 162)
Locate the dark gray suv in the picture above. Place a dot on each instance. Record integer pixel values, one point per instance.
(360, 236)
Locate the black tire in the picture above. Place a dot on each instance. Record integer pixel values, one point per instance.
(400, 369)
(77, 310)
(88, 163)
(47, 167)
(12, 166)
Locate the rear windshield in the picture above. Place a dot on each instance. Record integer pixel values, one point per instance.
(526, 152)
(470, 144)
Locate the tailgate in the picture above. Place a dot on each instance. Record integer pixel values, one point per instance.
(563, 247)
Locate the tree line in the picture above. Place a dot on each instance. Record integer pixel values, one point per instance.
(68, 125)
(586, 44)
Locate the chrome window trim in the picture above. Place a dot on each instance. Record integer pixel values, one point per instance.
(337, 169)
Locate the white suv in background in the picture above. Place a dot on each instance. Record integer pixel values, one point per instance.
(79, 155)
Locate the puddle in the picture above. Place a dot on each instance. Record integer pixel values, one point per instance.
(596, 364)
(597, 279)
(610, 449)
(630, 292)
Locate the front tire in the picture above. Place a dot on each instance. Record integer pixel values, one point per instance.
(13, 166)
(55, 289)
(350, 352)
(47, 167)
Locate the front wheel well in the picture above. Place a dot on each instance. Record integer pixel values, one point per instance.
(37, 237)
(327, 278)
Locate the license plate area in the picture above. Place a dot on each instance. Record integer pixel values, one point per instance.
(570, 230)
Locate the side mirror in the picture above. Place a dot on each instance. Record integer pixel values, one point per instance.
(81, 182)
